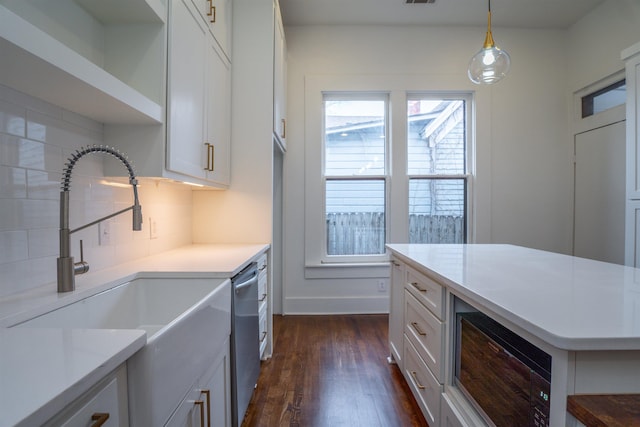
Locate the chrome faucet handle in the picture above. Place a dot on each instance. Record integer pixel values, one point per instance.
(82, 266)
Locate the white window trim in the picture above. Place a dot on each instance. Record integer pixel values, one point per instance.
(397, 86)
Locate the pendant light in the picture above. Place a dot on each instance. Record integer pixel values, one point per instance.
(491, 63)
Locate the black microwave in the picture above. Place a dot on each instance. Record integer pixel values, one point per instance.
(506, 378)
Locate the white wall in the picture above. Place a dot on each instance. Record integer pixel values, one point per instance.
(36, 138)
(524, 187)
(595, 42)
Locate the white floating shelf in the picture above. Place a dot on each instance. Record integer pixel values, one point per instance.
(37, 64)
(125, 11)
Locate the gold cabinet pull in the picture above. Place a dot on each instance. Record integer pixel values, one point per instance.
(414, 374)
(264, 335)
(207, 395)
(418, 329)
(417, 286)
(100, 418)
(264, 296)
(210, 157)
(200, 404)
(283, 134)
(212, 12)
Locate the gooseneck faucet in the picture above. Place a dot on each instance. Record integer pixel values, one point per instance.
(67, 268)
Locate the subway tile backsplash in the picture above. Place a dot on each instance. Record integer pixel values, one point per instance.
(36, 138)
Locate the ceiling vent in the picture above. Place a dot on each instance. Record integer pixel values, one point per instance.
(419, 1)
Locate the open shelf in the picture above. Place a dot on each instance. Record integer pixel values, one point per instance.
(43, 67)
(125, 11)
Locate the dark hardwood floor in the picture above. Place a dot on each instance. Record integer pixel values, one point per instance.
(331, 371)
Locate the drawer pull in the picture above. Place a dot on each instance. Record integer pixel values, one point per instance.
(264, 335)
(262, 267)
(417, 286)
(417, 328)
(414, 374)
(200, 403)
(396, 263)
(100, 418)
(264, 296)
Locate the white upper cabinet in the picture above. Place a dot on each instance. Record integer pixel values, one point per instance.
(103, 60)
(217, 15)
(157, 73)
(279, 81)
(198, 135)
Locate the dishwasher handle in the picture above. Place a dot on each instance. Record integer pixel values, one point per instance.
(239, 286)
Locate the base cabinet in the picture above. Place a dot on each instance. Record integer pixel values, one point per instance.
(417, 335)
(208, 401)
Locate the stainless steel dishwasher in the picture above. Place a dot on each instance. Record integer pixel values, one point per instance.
(245, 341)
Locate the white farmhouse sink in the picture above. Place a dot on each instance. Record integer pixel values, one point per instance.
(186, 321)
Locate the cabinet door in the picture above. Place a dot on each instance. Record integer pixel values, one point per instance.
(216, 387)
(218, 102)
(396, 311)
(190, 412)
(279, 80)
(186, 91)
(220, 24)
(209, 401)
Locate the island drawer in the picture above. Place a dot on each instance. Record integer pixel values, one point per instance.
(425, 387)
(427, 291)
(426, 333)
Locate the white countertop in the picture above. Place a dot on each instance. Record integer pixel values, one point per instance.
(571, 303)
(193, 261)
(43, 370)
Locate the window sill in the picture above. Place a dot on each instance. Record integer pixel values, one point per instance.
(347, 270)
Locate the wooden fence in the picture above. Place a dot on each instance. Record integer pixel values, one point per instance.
(360, 233)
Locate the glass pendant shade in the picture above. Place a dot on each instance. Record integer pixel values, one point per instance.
(491, 64)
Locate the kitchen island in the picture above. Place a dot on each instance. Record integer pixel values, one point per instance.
(585, 314)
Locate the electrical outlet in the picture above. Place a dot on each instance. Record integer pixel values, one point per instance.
(382, 287)
(153, 228)
(104, 233)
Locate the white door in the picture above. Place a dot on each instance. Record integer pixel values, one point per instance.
(599, 196)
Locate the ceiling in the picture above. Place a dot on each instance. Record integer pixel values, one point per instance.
(505, 13)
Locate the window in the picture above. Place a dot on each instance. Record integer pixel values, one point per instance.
(387, 164)
(355, 165)
(436, 167)
(356, 172)
(604, 99)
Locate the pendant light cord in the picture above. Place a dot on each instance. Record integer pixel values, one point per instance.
(488, 41)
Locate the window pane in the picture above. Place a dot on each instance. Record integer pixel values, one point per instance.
(437, 210)
(436, 136)
(603, 99)
(355, 217)
(354, 137)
